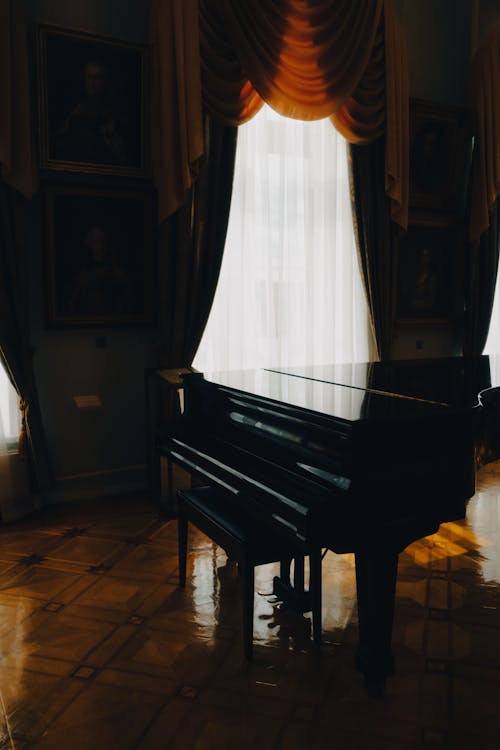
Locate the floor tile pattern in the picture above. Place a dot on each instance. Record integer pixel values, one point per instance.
(100, 648)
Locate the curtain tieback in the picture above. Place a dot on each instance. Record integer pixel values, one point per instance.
(22, 444)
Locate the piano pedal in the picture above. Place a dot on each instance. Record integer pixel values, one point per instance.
(273, 599)
(296, 600)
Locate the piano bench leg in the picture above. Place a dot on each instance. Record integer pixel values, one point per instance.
(285, 565)
(247, 578)
(182, 532)
(298, 574)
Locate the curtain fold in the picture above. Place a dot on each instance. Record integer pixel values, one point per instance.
(376, 239)
(304, 59)
(177, 127)
(18, 176)
(191, 248)
(486, 104)
(17, 159)
(481, 282)
(15, 349)
(484, 224)
(397, 135)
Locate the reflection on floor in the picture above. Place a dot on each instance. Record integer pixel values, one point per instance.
(100, 649)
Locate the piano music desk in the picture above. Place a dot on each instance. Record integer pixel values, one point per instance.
(248, 544)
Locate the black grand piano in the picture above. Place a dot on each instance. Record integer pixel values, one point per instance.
(362, 458)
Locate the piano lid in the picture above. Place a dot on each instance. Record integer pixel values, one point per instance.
(350, 404)
(454, 381)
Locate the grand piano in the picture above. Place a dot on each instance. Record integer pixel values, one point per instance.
(363, 458)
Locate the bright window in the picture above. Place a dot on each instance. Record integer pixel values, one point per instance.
(9, 410)
(290, 291)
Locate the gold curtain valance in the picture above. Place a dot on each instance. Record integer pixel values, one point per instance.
(304, 59)
(486, 104)
(308, 59)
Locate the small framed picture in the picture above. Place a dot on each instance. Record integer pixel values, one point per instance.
(430, 262)
(440, 153)
(99, 257)
(93, 94)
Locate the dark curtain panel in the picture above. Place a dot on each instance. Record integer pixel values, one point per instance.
(191, 245)
(191, 248)
(15, 348)
(376, 238)
(480, 280)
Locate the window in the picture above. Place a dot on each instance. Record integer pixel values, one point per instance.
(9, 411)
(290, 291)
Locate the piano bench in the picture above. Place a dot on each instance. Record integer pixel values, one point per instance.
(245, 542)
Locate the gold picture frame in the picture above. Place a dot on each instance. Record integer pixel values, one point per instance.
(429, 271)
(440, 154)
(93, 98)
(99, 256)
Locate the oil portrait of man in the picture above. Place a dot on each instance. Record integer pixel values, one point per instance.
(92, 103)
(99, 256)
(428, 259)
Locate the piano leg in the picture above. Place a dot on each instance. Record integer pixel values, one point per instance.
(315, 560)
(248, 581)
(182, 533)
(298, 575)
(376, 572)
(285, 566)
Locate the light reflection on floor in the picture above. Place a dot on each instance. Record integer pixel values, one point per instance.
(99, 648)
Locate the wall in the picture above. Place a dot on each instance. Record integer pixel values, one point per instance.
(437, 34)
(441, 38)
(99, 450)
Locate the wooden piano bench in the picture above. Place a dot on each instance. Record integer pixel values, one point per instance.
(245, 542)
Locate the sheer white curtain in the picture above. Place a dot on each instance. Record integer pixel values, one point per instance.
(493, 341)
(290, 291)
(9, 409)
(9, 431)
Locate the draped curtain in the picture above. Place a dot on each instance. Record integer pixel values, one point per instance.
(486, 104)
(376, 239)
(15, 349)
(308, 61)
(176, 116)
(18, 176)
(17, 159)
(330, 58)
(482, 331)
(191, 248)
(191, 244)
(484, 238)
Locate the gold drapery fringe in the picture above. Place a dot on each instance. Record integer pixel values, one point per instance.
(22, 443)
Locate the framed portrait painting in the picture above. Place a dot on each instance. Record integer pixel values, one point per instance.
(440, 153)
(429, 273)
(99, 257)
(93, 94)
